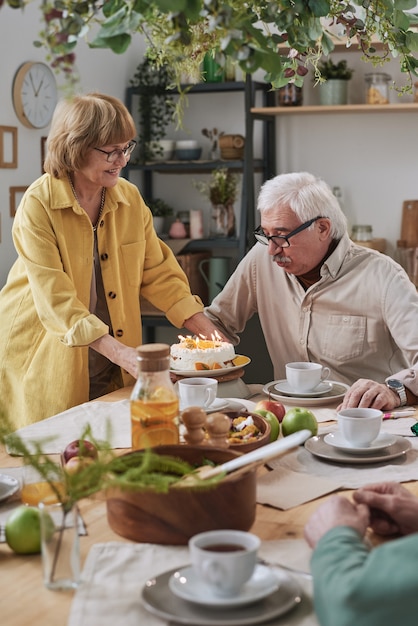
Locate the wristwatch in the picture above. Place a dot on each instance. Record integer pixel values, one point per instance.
(399, 388)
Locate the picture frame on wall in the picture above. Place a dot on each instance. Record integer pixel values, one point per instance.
(8, 146)
(15, 195)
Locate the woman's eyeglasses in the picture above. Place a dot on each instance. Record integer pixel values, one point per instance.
(114, 155)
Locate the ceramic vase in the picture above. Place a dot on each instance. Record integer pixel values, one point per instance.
(222, 220)
(333, 92)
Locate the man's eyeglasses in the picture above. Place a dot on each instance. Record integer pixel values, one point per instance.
(282, 241)
(114, 155)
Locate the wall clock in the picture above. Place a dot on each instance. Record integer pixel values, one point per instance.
(34, 94)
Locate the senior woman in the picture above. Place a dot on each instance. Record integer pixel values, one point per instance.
(70, 310)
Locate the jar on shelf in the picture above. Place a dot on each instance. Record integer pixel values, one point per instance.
(377, 88)
(289, 96)
(361, 232)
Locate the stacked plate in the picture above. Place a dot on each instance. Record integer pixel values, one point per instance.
(179, 596)
(327, 392)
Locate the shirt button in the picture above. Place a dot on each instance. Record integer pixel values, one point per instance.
(119, 333)
(112, 295)
(104, 256)
(302, 342)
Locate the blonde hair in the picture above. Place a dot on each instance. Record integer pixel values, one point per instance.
(81, 123)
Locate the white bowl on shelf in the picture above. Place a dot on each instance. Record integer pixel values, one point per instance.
(187, 144)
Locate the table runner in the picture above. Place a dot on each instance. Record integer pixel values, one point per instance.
(115, 572)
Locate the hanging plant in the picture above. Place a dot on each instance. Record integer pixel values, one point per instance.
(155, 109)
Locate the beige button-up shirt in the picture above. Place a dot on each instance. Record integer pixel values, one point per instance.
(360, 319)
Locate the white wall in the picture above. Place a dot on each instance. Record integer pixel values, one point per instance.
(100, 70)
(371, 157)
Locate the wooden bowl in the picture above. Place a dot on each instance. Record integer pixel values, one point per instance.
(261, 424)
(174, 517)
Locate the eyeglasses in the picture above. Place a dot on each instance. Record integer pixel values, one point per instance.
(282, 241)
(114, 155)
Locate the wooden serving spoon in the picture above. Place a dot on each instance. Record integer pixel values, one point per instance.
(253, 458)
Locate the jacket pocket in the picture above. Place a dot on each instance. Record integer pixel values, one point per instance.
(344, 337)
(133, 262)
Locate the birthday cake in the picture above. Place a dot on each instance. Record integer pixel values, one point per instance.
(201, 354)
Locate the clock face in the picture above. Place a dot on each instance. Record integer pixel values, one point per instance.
(34, 94)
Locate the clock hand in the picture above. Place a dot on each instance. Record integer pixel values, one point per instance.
(37, 90)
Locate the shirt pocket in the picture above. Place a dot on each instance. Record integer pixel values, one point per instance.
(344, 337)
(133, 261)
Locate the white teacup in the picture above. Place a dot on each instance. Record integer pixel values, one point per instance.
(360, 427)
(224, 559)
(199, 391)
(305, 376)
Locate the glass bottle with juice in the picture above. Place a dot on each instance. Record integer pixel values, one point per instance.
(154, 402)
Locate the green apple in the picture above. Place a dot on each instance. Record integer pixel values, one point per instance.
(296, 419)
(272, 420)
(23, 530)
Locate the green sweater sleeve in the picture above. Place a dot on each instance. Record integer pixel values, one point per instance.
(357, 586)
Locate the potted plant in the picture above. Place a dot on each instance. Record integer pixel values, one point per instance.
(333, 89)
(160, 210)
(156, 107)
(221, 190)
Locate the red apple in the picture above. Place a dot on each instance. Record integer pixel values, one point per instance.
(77, 463)
(79, 448)
(276, 408)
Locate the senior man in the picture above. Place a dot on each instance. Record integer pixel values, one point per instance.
(322, 298)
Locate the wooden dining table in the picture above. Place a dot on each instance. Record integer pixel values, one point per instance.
(25, 600)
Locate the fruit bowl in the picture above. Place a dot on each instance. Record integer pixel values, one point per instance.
(262, 425)
(173, 517)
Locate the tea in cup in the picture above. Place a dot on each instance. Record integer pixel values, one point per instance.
(197, 391)
(224, 559)
(360, 427)
(304, 376)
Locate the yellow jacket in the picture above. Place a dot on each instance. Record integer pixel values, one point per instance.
(46, 325)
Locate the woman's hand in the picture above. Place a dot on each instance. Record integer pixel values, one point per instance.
(336, 511)
(121, 355)
(393, 509)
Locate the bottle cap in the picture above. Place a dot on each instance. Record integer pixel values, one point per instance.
(153, 357)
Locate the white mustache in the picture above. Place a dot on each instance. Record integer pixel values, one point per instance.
(280, 259)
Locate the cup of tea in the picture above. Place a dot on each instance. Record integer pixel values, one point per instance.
(305, 376)
(360, 427)
(199, 391)
(224, 559)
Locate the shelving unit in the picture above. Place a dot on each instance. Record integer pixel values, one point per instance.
(407, 107)
(248, 166)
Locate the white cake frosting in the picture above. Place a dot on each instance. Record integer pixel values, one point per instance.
(198, 354)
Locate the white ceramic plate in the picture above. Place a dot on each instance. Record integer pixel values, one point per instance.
(160, 600)
(8, 486)
(284, 388)
(318, 447)
(382, 441)
(219, 404)
(185, 584)
(212, 373)
(336, 393)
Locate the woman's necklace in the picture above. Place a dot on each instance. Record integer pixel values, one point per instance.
(102, 202)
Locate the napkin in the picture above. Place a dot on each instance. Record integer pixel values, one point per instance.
(114, 573)
(109, 421)
(284, 489)
(351, 476)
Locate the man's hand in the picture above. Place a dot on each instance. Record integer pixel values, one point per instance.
(336, 511)
(366, 393)
(393, 509)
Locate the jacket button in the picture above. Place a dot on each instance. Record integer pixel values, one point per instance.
(104, 256)
(119, 333)
(112, 295)
(101, 223)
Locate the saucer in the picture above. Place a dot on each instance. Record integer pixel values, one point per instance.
(159, 600)
(333, 396)
(8, 486)
(185, 584)
(283, 387)
(317, 446)
(384, 440)
(219, 404)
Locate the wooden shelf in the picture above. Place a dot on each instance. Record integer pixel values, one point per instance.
(407, 107)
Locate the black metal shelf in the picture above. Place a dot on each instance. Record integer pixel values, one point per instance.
(183, 167)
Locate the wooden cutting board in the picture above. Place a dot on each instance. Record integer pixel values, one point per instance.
(409, 225)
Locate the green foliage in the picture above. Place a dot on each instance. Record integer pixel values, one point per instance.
(222, 187)
(328, 69)
(180, 32)
(159, 208)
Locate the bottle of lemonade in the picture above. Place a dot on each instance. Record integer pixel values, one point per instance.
(154, 402)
